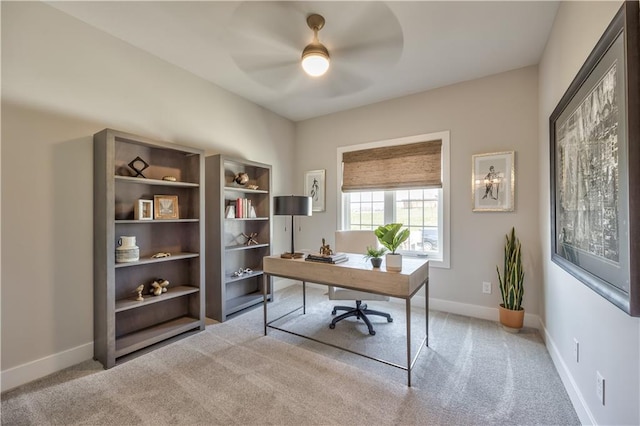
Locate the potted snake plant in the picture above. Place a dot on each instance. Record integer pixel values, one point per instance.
(511, 284)
(391, 237)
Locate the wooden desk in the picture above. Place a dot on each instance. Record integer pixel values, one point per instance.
(355, 275)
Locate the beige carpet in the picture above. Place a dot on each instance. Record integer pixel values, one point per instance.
(472, 373)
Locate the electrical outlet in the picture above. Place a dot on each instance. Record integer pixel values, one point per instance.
(600, 389)
(486, 287)
(576, 350)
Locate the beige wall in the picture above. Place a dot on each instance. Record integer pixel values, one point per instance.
(609, 339)
(62, 81)
(492, 114)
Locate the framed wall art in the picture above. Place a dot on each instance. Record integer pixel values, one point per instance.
(595, 173)
(314, 187)
(165, 207)
(493, 182)
(143, 210)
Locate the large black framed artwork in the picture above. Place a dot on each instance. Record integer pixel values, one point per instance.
(595, 167)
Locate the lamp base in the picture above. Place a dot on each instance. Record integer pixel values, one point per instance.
(295, 255)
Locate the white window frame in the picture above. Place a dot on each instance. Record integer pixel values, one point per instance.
(444, 136)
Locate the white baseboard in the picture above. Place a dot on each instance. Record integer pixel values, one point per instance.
(476, 311)
(578, 401)
(42, 367)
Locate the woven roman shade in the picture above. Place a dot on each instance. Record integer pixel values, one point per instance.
(415, 165)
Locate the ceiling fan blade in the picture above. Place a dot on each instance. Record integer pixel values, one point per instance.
(256, 23)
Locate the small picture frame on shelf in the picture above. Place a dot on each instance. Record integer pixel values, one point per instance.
(143, 210)
(165, 207)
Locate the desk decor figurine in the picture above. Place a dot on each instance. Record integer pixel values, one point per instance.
(325, 249)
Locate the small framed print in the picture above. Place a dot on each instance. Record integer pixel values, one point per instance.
(493, 182)
(143, 210)
(165, 207)
(314, 187)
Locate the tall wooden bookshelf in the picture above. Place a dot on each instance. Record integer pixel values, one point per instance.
(228, 251)
(122, 324)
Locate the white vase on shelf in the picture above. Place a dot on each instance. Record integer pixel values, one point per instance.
(127, 250)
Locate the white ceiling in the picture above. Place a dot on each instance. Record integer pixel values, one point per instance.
(379, 50)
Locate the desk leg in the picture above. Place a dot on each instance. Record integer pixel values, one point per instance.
(304, 297)
(265, 285)
(426, 313)
(408, 310)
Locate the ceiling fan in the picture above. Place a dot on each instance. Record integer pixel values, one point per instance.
(360, 40)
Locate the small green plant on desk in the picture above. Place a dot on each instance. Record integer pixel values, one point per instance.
(375, 254)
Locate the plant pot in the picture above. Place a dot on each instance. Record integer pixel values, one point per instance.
(511, 320)
(376, 262)
(394, 262)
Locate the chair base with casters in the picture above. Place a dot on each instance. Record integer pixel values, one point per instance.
(360, 312)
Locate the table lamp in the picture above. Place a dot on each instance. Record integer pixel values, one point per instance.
(292, 205)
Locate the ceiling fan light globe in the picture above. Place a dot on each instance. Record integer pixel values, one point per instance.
(315, 63)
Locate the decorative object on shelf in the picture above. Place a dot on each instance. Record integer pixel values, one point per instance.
(511, 284)
(166, 207)
(139, 290)
(251, 238)
(375, 255)
(159, 286)
(230, 212)
(292, 205)
(143, 210)
(254, 187)
(241, 178)
(392, 237)
(160, 255)
(594, 173)
(127, 250)
(138, 165)
(325, 249)
(240, 272)
(493, 182)
(169, 178)
(314, 187)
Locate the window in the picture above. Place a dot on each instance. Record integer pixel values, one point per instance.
(423, 211)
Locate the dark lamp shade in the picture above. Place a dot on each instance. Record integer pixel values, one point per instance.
(292, 205)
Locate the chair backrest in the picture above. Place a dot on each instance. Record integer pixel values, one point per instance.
(355, 241)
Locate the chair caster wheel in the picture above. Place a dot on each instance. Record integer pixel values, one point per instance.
(373, 333)
(332, 326)
(389, 319)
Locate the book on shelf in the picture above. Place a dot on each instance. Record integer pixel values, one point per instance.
(243, 208)
(332, 258)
